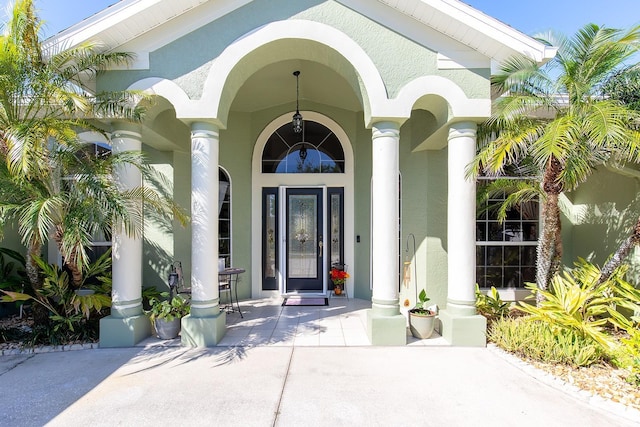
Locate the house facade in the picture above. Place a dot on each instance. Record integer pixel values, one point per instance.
(390, 94)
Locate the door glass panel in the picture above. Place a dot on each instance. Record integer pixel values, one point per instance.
(302, 229)
(336, 232)
(270, 237)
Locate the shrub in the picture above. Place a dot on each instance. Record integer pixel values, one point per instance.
(627, 355)
(631, 348)
(578, 301)
(491, 305)
(72, 315)
(538, 340)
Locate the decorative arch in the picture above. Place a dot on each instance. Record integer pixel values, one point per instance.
(167, 89)
(221, 86)
(446, 99)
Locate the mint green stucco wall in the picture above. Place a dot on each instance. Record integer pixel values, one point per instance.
(11, 239)
(158, 252)
(398, 59)
(362, 220)
(603, 212)
(424, 213)
(236, 148)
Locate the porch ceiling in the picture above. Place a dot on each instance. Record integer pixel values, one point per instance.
(276, 85)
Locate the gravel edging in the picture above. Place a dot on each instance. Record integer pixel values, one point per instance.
(48, 349)
(624, 411)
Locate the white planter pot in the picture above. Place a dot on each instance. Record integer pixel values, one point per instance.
(422, 325)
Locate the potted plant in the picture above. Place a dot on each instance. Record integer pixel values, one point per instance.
(338, 277)
(166, 314)
(421, 318)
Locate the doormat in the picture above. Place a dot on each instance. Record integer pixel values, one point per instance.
(305, 302)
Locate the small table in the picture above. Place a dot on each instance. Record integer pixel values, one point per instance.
(230, 276)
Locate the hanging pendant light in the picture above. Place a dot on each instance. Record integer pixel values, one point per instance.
(297, 117)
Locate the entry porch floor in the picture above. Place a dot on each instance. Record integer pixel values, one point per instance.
(266, 322)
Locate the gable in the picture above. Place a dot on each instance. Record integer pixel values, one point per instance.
(398, 59)
(131, 23)
(392, 57)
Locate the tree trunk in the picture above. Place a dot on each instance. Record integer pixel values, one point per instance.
(550, 243)
(40, 313)
(32, 269)
(548, 246)
(76, 273)
(70, 260)
(621, 254)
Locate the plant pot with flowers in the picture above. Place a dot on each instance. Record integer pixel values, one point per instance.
(338, 277)
(422, 320)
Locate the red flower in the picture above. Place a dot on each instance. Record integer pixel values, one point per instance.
(338, 276)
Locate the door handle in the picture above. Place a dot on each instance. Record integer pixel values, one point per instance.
(320, 244)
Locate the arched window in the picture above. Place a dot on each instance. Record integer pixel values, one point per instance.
(315, 150)
(224, 217)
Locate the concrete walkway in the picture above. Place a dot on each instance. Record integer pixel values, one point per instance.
(266, 383)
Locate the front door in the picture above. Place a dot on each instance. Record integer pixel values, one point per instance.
(304, 252)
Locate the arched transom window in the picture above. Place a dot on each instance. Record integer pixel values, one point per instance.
(315, 150)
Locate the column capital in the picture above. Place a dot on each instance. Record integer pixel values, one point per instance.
(125, 128)
(463, 129)
(204, 130)
(385, 129)
(126, 138)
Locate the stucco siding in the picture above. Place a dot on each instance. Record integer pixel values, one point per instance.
(424, 214)
(187, 60)
(603, 212)
(158, 254)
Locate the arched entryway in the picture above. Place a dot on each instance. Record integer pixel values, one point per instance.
(302, 198)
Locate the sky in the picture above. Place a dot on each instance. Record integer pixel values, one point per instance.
(528, 16)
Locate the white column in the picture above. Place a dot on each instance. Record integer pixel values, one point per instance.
(205, 140)
(385, 324)
(461, 220)
(384, 217)
(126, 292)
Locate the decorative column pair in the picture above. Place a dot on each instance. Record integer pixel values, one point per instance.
(460, 323)
(205, 326)
(385, 324)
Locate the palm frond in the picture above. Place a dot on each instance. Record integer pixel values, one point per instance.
(518, 194)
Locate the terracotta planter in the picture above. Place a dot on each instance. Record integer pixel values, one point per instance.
(337, 290)
(421, 325)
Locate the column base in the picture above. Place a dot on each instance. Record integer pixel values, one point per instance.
(203, 331)
(463, 331)
(124, 331)
(386, 330)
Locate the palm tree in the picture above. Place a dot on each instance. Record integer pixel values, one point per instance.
(554, 117)
(48, 187)
(77, 202)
